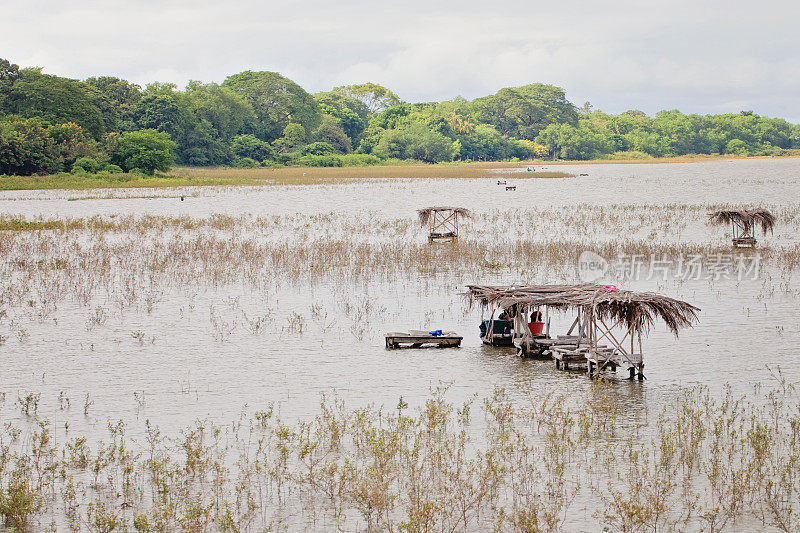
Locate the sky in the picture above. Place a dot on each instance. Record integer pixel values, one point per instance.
(697, 56)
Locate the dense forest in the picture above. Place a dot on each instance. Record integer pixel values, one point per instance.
(51, 124)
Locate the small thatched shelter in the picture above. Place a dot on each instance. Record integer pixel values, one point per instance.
(603, 313)
(743, 223)
(442, 221)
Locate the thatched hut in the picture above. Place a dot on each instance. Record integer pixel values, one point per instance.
(604, 314)
(743, 223)
(442, 221)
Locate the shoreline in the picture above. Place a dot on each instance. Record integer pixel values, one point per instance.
(288, 176)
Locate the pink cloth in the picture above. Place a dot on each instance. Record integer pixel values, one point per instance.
(610, 287)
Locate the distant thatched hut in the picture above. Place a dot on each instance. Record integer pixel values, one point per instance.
(743, 223)
(604, 314)
(442, 222)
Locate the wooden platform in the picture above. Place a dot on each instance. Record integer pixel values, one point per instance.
(597, 363)
(533, 347)
(744, 242)
(419, 339)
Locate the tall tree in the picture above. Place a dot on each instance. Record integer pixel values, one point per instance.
(116, 100)
(523, 112)
(9, 72)
(375, 97)
(228, 112)
(277, 101)
(54, 99)
(351, 114)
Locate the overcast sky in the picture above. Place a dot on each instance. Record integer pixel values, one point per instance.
(696, 56)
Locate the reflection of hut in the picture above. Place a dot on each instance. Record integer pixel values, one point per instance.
(610, 322)
(743, 223)
(442, 222)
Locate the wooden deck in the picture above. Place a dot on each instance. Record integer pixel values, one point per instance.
(418, 340)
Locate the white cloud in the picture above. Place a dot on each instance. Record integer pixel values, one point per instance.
(708, 56)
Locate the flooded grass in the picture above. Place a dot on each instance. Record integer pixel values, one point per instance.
(122, 300)
(703, 462)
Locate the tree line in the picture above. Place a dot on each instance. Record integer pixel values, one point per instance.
(51, 124)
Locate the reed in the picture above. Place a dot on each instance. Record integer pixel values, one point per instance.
(438, 466)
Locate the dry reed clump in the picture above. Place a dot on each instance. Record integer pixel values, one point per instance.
(746, 218)
(132, 261)
(705, 462)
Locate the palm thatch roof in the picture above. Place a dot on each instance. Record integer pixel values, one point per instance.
(746, 218)
(426, 213)
(635, 310)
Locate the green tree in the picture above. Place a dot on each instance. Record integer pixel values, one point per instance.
(227, 112)
(276, 100)
(376, 97)
(585, 141)
(9, 72)
(248, 145)
(330, 132)
(523, 112)
(71, 142)
(166, 109)
(54, 99)
(148, 150)
(116, 99)
(416, 141)
(351, 114)
(293, 136)
(26, 148)
(201, 146)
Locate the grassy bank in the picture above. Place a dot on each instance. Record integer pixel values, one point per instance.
(224, 176)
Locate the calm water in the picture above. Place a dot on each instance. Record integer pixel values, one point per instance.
(184, 371)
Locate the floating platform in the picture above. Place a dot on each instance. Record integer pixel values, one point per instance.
(418, 339)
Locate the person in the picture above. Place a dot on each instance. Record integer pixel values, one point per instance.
(536, 316)
(506, 318)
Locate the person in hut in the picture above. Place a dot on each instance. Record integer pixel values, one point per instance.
(505, 317)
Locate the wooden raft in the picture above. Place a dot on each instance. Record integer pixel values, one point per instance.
(417, 339)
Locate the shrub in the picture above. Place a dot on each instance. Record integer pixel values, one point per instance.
(736, 146)
(311, 160)
(112, 169)
(359, 160)
(252, 147)
(630, 154)
(87, 164)
(146, 150)
(317, 148)
(245, 162)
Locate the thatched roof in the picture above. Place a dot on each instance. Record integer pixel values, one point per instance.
(747, 218)
(425, 214)
(635, 310)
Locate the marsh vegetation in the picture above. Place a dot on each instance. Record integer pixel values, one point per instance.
(171, 372)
